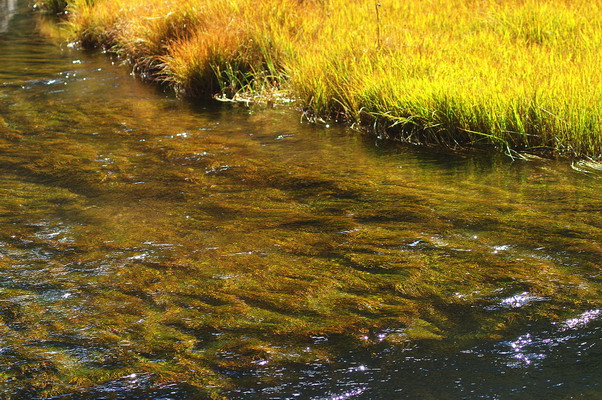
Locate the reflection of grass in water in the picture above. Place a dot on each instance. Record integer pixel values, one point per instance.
(520, 74)
(193, 275)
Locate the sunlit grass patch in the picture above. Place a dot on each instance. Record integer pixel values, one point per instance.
(519, 75)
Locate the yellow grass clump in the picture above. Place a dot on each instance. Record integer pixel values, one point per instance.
(517, 74)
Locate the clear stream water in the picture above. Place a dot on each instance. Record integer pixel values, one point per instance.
(156, 249)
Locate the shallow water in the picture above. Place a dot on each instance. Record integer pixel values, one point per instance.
(155, 249)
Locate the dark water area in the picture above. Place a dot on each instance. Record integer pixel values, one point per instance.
(156, 249)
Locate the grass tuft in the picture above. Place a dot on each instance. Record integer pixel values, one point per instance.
(519, 75)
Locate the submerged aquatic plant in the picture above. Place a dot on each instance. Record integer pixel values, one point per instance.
(253, 250)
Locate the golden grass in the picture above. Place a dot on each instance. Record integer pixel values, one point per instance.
(518, 74)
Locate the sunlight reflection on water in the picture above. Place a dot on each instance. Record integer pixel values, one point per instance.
(582, 320)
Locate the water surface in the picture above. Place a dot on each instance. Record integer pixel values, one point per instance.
(156, 249)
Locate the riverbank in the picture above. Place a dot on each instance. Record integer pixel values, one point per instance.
(518, 75)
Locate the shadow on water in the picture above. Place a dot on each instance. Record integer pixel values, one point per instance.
(152, 249)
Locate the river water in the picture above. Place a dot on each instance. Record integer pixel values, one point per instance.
(156, 249)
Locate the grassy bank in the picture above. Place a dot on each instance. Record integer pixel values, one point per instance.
(519, 74)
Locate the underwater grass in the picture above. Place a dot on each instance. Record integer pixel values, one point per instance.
(234, 253)
(519, 75)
